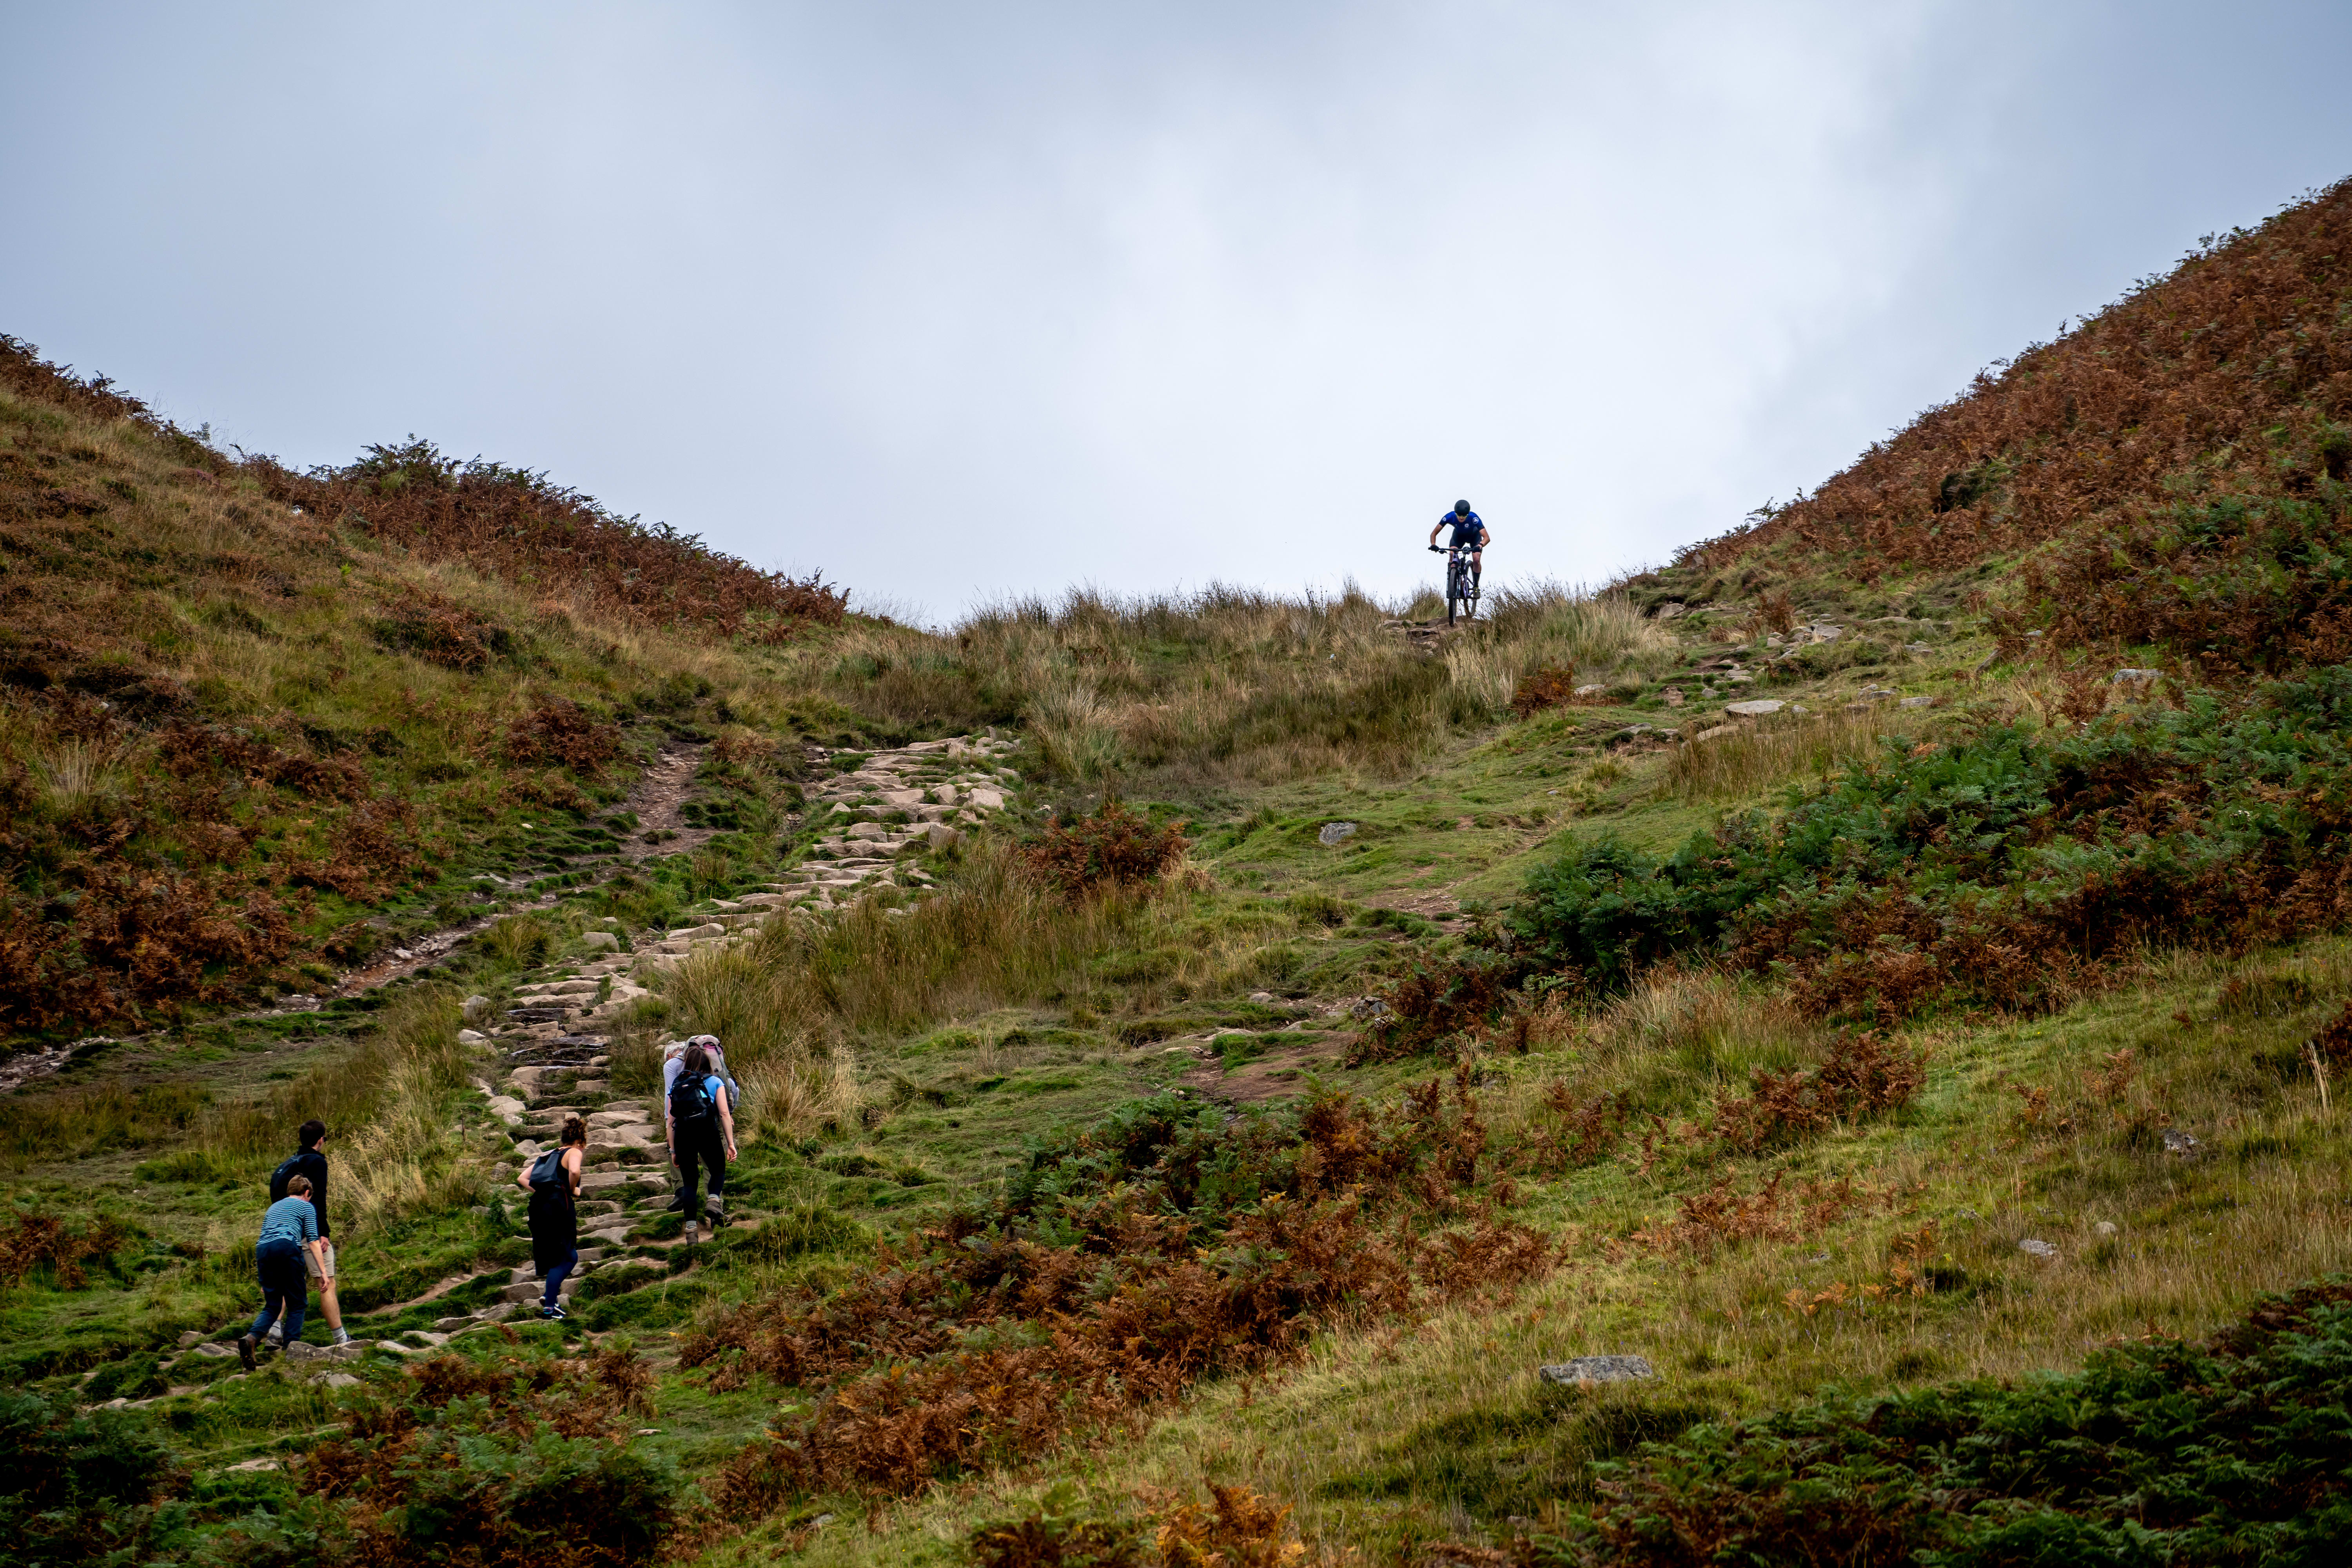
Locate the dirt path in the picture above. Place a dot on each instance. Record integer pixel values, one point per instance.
(658, 800)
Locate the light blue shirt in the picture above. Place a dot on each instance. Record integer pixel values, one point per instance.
(291, 1218)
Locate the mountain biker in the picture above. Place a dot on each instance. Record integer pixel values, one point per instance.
(1469, 532)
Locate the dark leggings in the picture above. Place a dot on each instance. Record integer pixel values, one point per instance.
(283, 1287)
(555, 1276)
(695, 1151)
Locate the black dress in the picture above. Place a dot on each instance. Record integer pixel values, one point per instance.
(554, 1224)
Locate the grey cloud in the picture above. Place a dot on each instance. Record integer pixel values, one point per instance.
(955, 301)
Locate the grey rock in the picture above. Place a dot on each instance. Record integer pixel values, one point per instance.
(214, 1351)
(1579, 1370)
(336, 1380)
(2179, 1145)
(256, 1464)
(2134, 677)
(477, 1009)
(942, 837)
(1754, 708)
(190, 1340)
(2106, 1227)
(2033, 1248)
(1668, 611)
(472, 1038)
(599, 940)
(1918, 702)
(1333, 832)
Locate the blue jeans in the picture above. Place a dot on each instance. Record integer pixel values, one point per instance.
(283, 1287)
(555, 1276)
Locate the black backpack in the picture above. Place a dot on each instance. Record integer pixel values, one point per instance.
(547, 1171)
(290, 1166)
(690, 1102)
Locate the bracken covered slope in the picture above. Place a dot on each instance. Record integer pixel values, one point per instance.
(2172, 471)
(245, 714)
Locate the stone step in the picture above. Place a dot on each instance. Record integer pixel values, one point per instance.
(536, 1289)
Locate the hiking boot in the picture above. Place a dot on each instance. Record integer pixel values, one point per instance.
(244, 1351)
(691, 1230)
(715, 1211)
(553, 1313)
(676, 1204)
(275, 1338)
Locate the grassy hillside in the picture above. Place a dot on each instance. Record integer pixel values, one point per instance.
(253, 734)
(1915, 1038)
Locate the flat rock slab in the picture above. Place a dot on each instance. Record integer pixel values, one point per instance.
(1580, 1370)
(1754, 708)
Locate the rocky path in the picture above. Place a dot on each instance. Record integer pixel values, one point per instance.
(551, 1047)
(552, 1043)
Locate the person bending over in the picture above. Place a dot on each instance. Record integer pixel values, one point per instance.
(701, 1126)
(310, 1160)
(1469, 533)
(289, 1227)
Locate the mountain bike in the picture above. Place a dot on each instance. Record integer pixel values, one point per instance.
(1461, 580)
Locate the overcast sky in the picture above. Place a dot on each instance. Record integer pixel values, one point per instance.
(953, 300)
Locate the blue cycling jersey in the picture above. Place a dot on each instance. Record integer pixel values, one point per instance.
(1465, 530)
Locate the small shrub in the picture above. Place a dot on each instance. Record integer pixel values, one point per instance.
(519, 941)
(440, 630)
(1432, 1004)
(1114, 847)
(565, 734)
(42, 1241)
(1552, 685)
(1862, 1075)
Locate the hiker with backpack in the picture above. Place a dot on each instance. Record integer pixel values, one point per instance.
(552, 1180)
(290, 1233)
(673, 1063)
(309, 1163)
(701, 1126)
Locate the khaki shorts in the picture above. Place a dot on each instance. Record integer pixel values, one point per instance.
(310, 1262)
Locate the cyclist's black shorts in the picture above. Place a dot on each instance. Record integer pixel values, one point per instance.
(1467, 538)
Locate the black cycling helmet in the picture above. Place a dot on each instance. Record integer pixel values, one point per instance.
(1462, 510)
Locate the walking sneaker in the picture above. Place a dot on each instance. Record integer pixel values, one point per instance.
(275, 1338)
(715, 1211)
(244, 1351)
(676, 1204)
(690, 1230)
(555, 1313)
(341, 1338)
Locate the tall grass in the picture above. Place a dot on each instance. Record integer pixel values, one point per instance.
(1681, 1036)
(1229, 683)
(1758, 757)
(988, 938)
(394, 1145)
(409, 1156)
(791, 1005)
(76, 1123)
